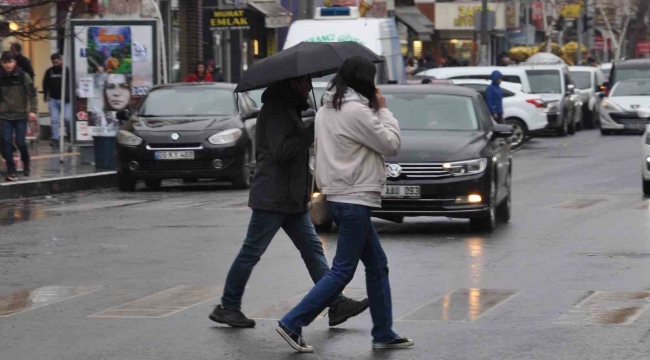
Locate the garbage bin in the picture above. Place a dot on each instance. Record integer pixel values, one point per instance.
(104, 152)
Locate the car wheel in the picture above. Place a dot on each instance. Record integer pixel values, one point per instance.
(243, 179)
(324, 228)
(124, 183)
(646, 187)
(505, 209)
(487, 222)
(520, 132)
(153, 184)
(564, 130)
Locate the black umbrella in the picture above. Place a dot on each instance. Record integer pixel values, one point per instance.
(307, 58)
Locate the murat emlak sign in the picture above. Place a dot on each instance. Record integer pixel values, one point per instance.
(231, 19)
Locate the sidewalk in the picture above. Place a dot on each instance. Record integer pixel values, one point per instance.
(49, 176)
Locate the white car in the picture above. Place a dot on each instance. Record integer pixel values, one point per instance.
(525, 112)
(644, 113)
(588, 81)
(619, 111)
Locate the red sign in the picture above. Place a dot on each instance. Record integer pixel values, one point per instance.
(538, 15)
(643, 47)
(599, 44)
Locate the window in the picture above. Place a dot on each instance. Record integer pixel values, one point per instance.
(512, 78)
(545, 81)
(633, 88)
(417, 111)
(632, 74)
(581, 79)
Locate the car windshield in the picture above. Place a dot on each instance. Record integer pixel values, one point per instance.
(433, 111)
(188, 101)
(581, 79)
(632, 74)
(545, 81)
(633, 88)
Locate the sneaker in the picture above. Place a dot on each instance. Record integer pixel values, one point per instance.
(10, 177)
(400, 342)
(27, 170)
(346, 309)
(234, 318)
(295, 341)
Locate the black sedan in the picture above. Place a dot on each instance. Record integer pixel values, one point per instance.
(454, 161)
(187, 131)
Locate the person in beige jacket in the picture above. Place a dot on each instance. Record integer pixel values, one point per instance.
(354, 131)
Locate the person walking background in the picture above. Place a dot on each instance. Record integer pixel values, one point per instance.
(201, 75)
(215, 72)
(354, 132)
(18, 104)
(279, 195)
(21, 60)
(52, 95)
(494, 97)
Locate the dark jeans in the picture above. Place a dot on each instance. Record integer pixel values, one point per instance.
(358, 240)
(262, 228)
(19, 127)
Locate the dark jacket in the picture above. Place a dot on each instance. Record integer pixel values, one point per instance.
(23, 62)
(52, 83)
(17, 95)
(281, 180)
(494, 95)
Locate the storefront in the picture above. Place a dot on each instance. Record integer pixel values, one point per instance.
(456, 33)
(415, 29)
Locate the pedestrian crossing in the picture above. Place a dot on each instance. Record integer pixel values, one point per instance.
(460, 305)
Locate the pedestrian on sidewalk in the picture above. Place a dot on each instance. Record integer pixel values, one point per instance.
(17, 105)
(354, 131)
(21, 60)
(215, 72)
(200, 75)
(279, 195)
(494, 97)
(52, 95)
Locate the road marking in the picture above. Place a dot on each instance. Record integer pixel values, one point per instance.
(161, 304)
(608, 308)
(578, 204)
(642, 206)
(27, 300)
(461, 305)
(277, 311)
(97, 205)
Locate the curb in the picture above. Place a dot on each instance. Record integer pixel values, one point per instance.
(66, 184)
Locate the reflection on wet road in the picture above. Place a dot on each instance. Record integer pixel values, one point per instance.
(26, 300)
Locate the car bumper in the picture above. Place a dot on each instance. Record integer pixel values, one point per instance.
(622, 121)
(538, 122)
(439, 198)
(553, 121)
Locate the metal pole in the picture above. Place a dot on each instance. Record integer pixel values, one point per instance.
(580, 31)
(161, 41)
(62, 113)
(527, 21)
(484, 33)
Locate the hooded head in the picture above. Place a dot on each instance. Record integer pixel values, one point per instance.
(496, 77)
(357, 74)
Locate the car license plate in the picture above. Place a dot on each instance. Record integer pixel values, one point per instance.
(174, 155)
(391, 191)
(635, 126)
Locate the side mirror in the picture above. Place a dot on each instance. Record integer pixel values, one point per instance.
(571, 89)
(644, 113)
(501, 131)
(123, 115)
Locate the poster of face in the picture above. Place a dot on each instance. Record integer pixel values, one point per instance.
(114, 68)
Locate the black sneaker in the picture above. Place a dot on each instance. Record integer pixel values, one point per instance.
(295, 341)
(27, 169)
(346, 309)
(400, 342)
(234, 318)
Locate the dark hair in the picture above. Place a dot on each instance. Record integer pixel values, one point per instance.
(196, 69)
(16, 46)
(55, 56)
(426, 81)
(358, 74)
(410, 62)
(7, 56)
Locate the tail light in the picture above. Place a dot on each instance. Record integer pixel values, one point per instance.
(537, 102)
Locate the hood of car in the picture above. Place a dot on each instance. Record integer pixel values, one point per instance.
(179, 124)
(439, 146)
(630, 103)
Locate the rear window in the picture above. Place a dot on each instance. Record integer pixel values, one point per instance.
(631, 74)
(581, 79)
(545, 81)
(635, 88)
(433, 111)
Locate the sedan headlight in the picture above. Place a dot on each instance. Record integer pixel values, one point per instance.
(469, 167)
(610, 106)
(225, 137)
(128, 138)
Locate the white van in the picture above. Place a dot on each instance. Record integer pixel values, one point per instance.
(344, 24)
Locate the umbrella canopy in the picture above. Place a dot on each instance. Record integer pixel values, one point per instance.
(307, 58)
(545, 59)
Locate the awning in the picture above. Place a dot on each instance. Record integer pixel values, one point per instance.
(275, 16)
(415, 21)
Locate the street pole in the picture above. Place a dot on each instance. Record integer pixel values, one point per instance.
(62, 113)
(580, 31)
(484, 33)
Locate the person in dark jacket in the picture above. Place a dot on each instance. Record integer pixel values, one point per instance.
(279, 195)
(427, 64)
(215, 71)
(494, 97)
(21, 60)
(52, 95)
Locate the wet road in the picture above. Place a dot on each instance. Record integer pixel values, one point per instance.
(133, 276)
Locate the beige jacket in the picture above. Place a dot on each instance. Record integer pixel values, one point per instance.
(351, 145)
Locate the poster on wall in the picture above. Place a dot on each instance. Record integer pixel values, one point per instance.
(114, 66)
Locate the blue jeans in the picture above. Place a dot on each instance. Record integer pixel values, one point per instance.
(262, 228)
(358, 240)
(19, 127)
(55, 113)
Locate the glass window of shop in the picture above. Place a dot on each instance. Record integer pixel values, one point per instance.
(459, 49)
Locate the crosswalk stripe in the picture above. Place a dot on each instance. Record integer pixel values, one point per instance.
(578, 204)
(607, 308)
(27, 300)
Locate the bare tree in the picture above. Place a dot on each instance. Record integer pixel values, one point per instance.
(554, 16)
(625, 10)
(35, 19)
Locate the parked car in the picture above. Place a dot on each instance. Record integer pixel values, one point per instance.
(589, 83)
(619, 109)
(511, 74)
(525, 112)
(454, 161)
(187, 131)
(628, 70)
(606, 68)
(644, 113)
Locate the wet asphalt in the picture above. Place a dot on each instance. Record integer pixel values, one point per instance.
(109, 275)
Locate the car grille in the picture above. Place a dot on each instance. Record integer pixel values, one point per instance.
(422, 171)
(627, 118)
(176, 166)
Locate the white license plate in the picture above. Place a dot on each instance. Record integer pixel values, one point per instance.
(635, 126)
(174, 155)
(392, 191)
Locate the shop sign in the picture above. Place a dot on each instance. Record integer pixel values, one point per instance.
(334, 38)
(643, 47)
(599, 44)
(233, 19)
(460, 16)
(538, 15)
(512, 15)
(571, 11)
